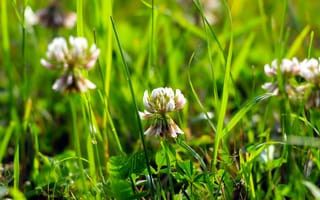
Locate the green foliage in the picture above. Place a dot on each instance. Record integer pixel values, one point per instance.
(239, 142)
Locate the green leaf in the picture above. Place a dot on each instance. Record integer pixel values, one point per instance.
(186, 168)
(121, 189)
(137, 163)
(118, 167)
(160, 159)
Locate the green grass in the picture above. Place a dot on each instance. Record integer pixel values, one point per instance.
(92, 146)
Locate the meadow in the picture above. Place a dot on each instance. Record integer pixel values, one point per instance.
(159, 99)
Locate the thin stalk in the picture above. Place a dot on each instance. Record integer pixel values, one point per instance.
(310, 44)
(209, 30)
(192, 152)
(80, 18)
(92, 137)
(126, 69)
(76, 140)
(16, 164)
(107, 11)
(225, 96)
(26, 82)
(113, 129)
(5, 139)
(164, 146)
(151, 42)
(212, 126)
(6, 56)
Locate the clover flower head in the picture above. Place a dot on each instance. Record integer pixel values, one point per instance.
(163, 100)
(72, 59)
(287, 67)
(159, 104)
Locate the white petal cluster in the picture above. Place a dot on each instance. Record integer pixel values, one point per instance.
(79, 46)
(287, 67)
(308, 84)
(161, 102)
(58, 50)
(310, 70)
(71, 82)
(71, 58)
(76, 55)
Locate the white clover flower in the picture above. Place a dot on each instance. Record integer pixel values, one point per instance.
(287, 67)
(72, 59)
(310, 70)
(161, 102)
(51, 17)
(293, 92)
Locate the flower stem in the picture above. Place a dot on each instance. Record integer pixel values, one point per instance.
(76, 140)
(165, 147)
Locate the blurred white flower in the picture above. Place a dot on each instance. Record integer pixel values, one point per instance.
(72, 82)
(287, 67)
(293, 92)
(71, 59)
(212, 10)
(310, 70)
(161, 102)
(51, 17)
(30, 18)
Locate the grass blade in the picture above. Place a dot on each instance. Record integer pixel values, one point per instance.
(126, 69)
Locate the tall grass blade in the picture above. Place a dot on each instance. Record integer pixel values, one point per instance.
(212, 126)
(80, 31)
(225, 96)
(310, 44)
(126, 69)
(241, 113)
(295, 47)
(5, 138)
